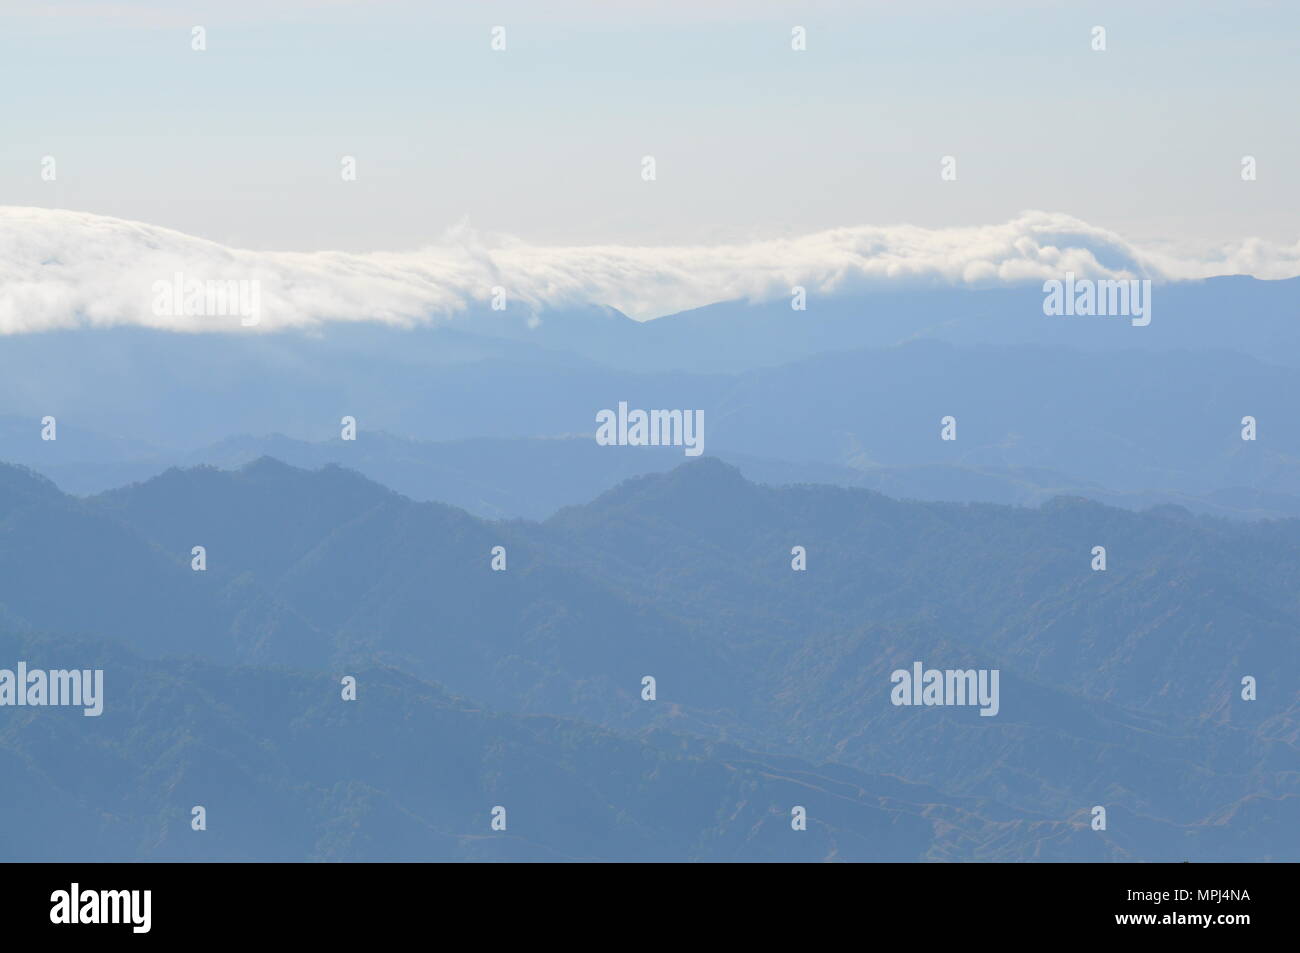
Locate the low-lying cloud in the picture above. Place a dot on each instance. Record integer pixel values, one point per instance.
(61, 269)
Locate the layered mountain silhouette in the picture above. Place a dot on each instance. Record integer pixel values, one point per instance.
(532, 477)
(495, 412)
(523, 688)
(1119, 688)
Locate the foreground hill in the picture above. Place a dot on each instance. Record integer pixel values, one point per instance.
(285, 770)
(1120, 688)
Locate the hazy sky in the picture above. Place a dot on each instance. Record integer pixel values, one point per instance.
(242, 143)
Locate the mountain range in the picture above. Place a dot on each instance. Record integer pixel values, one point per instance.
(523, 685)
(1119, 688)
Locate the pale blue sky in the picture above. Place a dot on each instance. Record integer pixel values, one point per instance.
(241, 143)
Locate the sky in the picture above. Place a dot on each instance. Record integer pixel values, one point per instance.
(543, 142)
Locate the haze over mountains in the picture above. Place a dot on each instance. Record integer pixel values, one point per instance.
(371, 557)
(427, 437)
(849, 392)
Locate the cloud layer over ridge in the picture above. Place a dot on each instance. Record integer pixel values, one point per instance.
(62, 269)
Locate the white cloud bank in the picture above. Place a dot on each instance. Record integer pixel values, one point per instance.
(62, 269)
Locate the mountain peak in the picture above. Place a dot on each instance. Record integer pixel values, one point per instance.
(268, 466)
(701, 491)
(703, 473)
(18, 480)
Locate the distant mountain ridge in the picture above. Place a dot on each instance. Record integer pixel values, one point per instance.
(1129, 427)
(532, 477)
